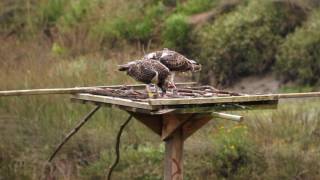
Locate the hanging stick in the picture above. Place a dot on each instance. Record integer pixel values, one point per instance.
(73, 131)
(117, 147)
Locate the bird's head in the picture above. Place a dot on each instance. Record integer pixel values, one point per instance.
(125, 67)
(150, 56)
(195, 66)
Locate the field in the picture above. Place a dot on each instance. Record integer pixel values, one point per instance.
(51, 44)
(280, 144)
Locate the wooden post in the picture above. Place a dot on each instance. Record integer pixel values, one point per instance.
(173, 161)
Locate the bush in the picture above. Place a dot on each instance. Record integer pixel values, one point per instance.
(136, 25)
(175, 33)
(245, 41)
(76, 13)
(299, 57)
(236, 155)
(51, 11)
(195, 6)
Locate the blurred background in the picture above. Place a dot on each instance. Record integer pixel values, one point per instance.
(253, 46)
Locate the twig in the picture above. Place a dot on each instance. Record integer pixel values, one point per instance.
(73, 131)
(117, 147)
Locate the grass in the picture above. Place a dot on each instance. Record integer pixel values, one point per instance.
(280, 144)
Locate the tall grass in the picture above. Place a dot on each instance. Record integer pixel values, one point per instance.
(280, 144)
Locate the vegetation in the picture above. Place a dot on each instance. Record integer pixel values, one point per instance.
(196, 6)
(68, 43)
(298, 58)
(176, 31)
(229, 54)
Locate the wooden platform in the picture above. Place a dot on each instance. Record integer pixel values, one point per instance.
(163, 105)
(176, 119)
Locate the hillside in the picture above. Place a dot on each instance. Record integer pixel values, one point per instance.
(233, 38)
(244, 45)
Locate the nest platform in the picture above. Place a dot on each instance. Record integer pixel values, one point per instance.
(177, 115)
(186, 98)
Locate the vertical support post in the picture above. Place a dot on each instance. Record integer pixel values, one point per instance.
(173, 161)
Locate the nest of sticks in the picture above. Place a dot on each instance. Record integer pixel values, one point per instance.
(185, 92)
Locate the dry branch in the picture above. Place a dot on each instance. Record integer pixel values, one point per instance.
(73, 131)
(116, 161)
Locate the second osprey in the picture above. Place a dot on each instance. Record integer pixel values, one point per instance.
(174, 61)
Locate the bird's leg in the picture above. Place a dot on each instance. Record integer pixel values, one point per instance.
(172, 80)
(157, 91)
(174, 87)
(149, 92)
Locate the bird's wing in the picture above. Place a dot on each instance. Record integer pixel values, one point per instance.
(142, 71)
(175, 61)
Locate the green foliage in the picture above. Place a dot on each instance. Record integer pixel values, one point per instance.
(299, 56)
(51, 10)
(131, 25)
(236, 154)
(175, 32)
(195, 6)
(296, 88)
(76, 12)
(243, 42)
(138, 162)
(57, 49)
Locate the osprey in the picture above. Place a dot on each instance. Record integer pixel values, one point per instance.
(175, 61)
(148, 71)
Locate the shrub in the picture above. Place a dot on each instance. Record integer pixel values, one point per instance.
(299, 56)
(244, 42)
(51, 11)
(235, 154)
(175, 33)
(131, 24)
(76, 12)
(195, 6)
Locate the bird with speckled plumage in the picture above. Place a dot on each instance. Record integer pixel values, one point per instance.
(174, 61)
(148, 72)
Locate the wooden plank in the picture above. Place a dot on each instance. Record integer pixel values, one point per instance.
(211, 100)
(299, 95)
(172, 122)
(231, 117)
(114, 100)
(194, 124)
(125, 108)
(43, 91)
(173, 160)
(154, 122)
(203, 108)
(184, 109)
(73, 90)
